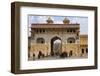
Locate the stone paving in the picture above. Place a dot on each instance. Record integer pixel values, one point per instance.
(56, 57)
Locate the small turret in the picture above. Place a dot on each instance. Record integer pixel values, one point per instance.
(49, 20)
(66, 21)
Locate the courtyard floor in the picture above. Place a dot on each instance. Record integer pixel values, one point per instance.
(55, 57)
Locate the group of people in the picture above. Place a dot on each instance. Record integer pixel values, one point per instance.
(52, 54)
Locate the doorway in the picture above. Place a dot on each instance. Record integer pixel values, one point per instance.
(55, 46)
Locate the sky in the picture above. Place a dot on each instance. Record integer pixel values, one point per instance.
(83, 21)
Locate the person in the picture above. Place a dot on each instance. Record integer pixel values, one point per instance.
(33, 56)
(40, 54)
(63, 55)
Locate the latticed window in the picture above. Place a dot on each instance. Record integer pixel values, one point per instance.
(40, 40)
(71, 40)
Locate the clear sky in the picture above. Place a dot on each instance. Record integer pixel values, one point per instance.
(83, 21)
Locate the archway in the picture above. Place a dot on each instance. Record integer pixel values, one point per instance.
(71, 40)
(55, 45)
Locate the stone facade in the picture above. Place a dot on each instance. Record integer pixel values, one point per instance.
(44, 35)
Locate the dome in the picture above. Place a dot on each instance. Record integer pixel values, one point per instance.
(49, 20)
(66, 21)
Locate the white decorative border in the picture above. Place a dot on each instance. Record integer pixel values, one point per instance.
(25, 64)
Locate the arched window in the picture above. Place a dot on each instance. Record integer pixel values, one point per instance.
(74, 30)
(40, 30)
(71, 30)
(82, 51)
(86, 50)
(68, 30)
(70, 40)
(40, 40)
(43, 30)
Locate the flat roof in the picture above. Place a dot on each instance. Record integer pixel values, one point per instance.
(84, 36)
(55, 26)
